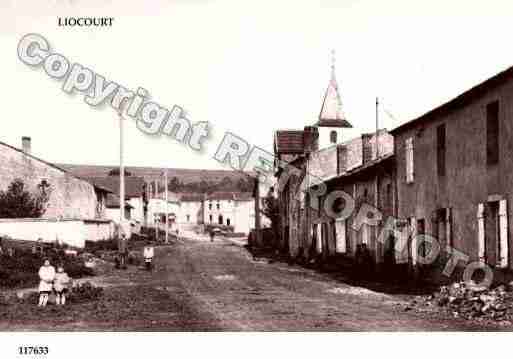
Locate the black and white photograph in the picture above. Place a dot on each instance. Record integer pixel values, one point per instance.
(311, 168)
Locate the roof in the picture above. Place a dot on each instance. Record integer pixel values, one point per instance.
(460, 100)
(112, 201)
(331, 114)
(289, 141)
(244, 196)
(221, 196)
(360, 169)
(134, 186)
(191, 197)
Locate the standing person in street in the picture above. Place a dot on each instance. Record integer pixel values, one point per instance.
(60, 285)
(123, 245)
(123, 251)
(148, 253)
(47, 276)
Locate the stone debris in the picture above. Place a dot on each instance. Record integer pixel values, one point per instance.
(468, 301)
(224, 277)
(359, 291)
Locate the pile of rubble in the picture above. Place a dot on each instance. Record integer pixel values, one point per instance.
(471, 302)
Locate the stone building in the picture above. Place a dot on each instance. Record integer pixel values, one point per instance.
(454, 173)
(70, 197)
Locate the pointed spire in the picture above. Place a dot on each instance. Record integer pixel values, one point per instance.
(331, 114)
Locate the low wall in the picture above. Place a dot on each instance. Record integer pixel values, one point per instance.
(72, 232)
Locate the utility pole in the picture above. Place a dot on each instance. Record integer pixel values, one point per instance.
(377, 128)
(156, 191)
(167, 206)
(121, 171)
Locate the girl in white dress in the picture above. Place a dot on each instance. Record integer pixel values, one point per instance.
(47, 275)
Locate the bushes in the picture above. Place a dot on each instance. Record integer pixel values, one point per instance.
(107, 245)
(85, 292)
(21, 270)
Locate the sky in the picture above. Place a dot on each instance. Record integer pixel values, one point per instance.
(249, 68)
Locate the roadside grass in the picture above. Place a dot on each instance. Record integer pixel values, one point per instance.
(113, 306)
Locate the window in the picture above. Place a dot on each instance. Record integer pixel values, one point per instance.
(218, 205)
(210, 206)
(440, 149)
(409, 159)
(333, 136)
(220, 219)
(188, 218)
(492, 133)
(227, 221)
(210, 217)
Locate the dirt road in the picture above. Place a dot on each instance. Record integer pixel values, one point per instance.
(218, 286)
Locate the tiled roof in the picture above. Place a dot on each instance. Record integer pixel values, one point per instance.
(221, 196)
(191, 197)
(244, 196)
(289, 141)
(134, 186)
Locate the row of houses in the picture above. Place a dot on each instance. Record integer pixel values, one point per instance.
(445, 174)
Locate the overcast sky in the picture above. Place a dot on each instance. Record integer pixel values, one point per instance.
(245, 67)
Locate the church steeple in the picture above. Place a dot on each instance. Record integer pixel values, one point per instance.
(331, 114)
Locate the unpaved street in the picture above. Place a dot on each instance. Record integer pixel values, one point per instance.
(218, 286)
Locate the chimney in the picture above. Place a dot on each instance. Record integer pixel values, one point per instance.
(311, 139)
(26, 145)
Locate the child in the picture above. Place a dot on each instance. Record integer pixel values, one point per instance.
(61, 285)
(47, 275)
(148, 254)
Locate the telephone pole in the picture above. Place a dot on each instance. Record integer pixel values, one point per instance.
(167, 206)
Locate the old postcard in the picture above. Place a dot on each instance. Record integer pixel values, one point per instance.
(253, 166)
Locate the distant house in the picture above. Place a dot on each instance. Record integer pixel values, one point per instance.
(157, 208)
(230, 209)
(191, 209)
(112, 208)
(135, 193)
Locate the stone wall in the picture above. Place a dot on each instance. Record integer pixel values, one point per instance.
(71, 232)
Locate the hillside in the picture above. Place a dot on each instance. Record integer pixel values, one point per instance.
(185, 176)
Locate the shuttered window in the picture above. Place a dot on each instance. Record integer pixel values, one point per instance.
(480, 232)
(503, 233)
(340, 235)
(409, 159)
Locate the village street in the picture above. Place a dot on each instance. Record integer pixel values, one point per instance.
(198, 285)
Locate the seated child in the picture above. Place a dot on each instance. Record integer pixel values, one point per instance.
(60, 285)
(47, 275)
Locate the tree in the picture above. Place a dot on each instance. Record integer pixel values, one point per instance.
(115, 172)
(16, 202)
